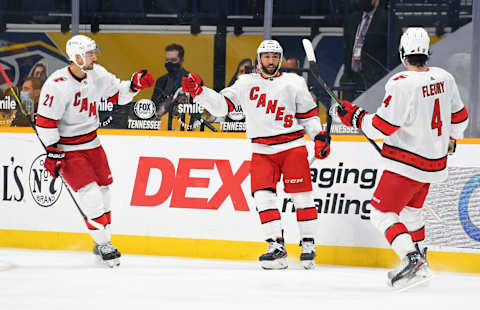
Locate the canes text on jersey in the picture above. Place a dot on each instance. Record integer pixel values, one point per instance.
(271, 107)
(85, 106)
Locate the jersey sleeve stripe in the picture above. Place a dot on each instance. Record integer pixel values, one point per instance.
(460, 116)
(413, 160)
(231, 106)
(383, 126)
(313, 112)
(79, 139)
(46, 122)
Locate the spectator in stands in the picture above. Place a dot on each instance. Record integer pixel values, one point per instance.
(292, 63)
(366, 50)
(241, 69)
(29, 96)
(40, 71)
(166, 93)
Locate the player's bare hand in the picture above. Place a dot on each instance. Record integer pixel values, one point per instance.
(322, 145)
(351, 115)
(192, 84)
(140, 80)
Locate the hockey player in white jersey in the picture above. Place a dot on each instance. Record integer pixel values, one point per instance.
(279, 110)
(67, 123)
(420, 119)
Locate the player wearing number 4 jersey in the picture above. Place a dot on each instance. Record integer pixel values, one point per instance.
(67, 122)
(420, 119)
(279, 110)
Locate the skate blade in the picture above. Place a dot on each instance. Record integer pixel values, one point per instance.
(112, 263)
(415, 282)
(277, 264)
(308, 264)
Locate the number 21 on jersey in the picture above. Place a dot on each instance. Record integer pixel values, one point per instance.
(436, 117)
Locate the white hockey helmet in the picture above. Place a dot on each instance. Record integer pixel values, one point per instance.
(414, 41)
(269, 46)
(80, 45)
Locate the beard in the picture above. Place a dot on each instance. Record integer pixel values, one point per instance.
(269, 69)
(89, 67)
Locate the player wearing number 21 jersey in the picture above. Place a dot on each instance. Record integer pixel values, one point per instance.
(420, 119)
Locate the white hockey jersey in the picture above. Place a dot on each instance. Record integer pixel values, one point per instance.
(68, 107)
(419, 114)
(277, 110)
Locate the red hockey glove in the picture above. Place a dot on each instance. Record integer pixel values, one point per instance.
(351, 115)
(452, 146)
(192, 84)
(54, 160)
(322, 145)
(140, 80)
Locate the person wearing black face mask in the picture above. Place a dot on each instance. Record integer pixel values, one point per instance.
(168, 84)
(366, 50)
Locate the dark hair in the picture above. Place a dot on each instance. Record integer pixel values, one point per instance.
(235, 75)
(36, 82)
(418, 60)
(176, 47)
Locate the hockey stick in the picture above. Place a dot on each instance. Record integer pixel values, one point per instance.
(307, 46)
(24, 112)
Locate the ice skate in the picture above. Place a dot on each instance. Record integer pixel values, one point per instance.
(413, 271)
(107, 254)
(275, 257)
(308, 253)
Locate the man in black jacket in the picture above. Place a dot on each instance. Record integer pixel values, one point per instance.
(366, 50)
(168, 84)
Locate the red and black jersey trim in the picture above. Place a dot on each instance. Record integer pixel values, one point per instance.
(313, 112)
(392, 232)
(307, 214)
(270, 215)
(414, 160)
(45, 122)
(383, 126)
(283, 138)
(79, 80)
(460, 116)
(231, 106)
(114, 98)
(78, 139)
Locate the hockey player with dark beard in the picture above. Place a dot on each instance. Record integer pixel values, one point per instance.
(67, 123)
(279, 110)
(420, 119)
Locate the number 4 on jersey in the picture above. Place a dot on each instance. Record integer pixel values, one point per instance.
(436, 119)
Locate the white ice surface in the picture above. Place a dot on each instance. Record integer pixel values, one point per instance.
(64, 280)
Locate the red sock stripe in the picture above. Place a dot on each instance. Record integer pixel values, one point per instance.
(102, 220)
(394, 231)
(109, 217)
(307, 214)
(269, 215)
(418, 235)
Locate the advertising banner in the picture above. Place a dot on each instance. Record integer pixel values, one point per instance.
(191, 187)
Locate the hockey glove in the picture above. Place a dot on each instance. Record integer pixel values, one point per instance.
(351, 115)
(140, 80)
(192, 84)
(452, 146)
(322, 145)
(54, 160)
